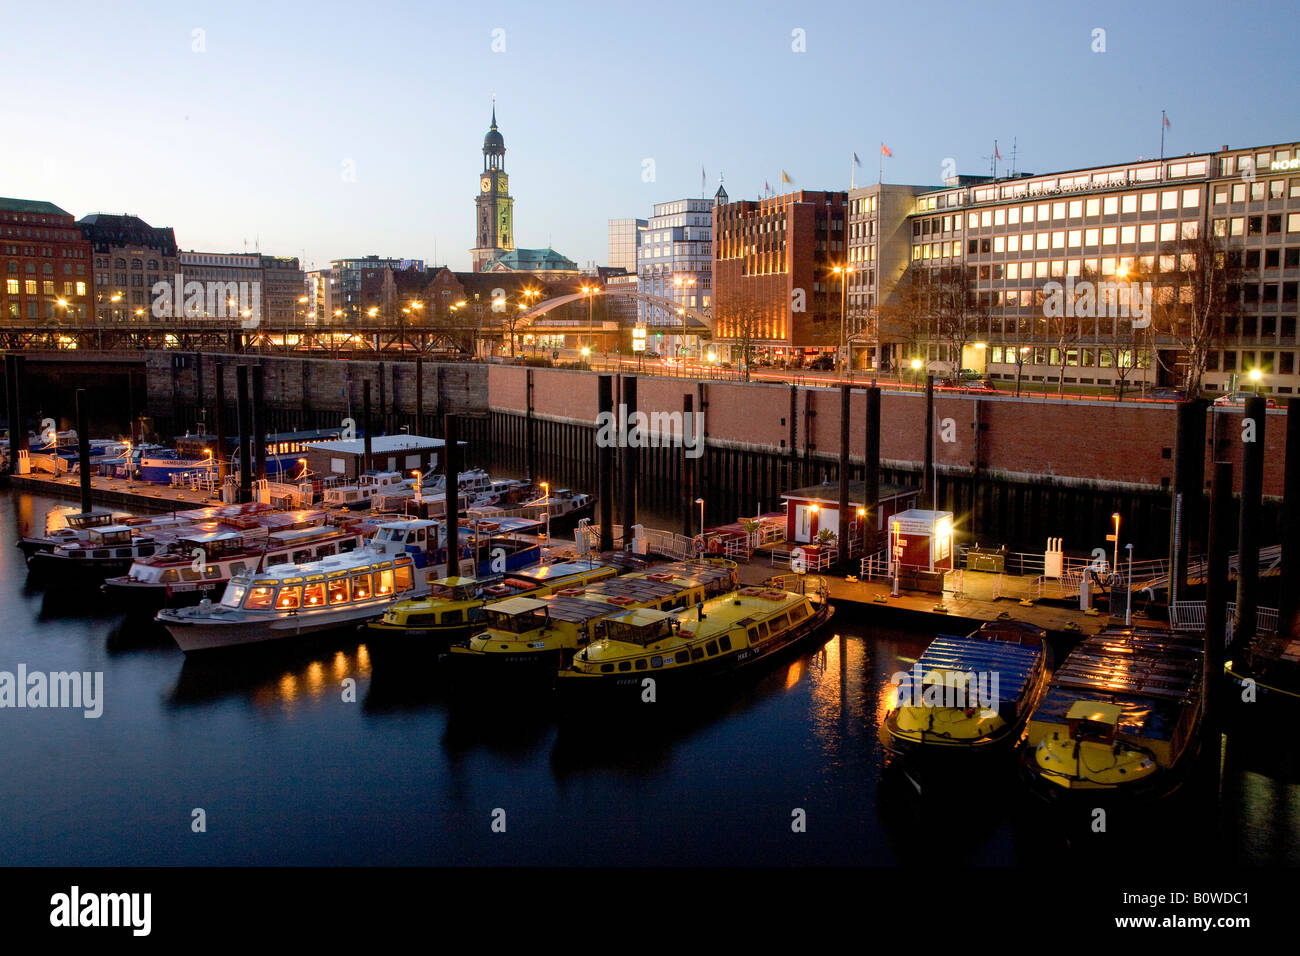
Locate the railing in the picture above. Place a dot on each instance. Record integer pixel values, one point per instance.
(874, 567)
(667, 543)
(819, 560)
(1190, 616)
(813, 586)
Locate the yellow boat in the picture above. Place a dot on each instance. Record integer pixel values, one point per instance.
(528, 635)
(1120, 717)
(455, 606)
(644, 654)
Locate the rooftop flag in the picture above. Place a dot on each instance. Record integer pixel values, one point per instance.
(885, 150)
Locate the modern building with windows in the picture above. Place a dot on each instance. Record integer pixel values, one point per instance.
(1114, 231)
(675, 262)
(47, 264)
(346, 277)
(775, 289)
(130, 256)
(624, 241)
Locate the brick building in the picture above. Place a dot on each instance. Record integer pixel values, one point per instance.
(48, 266)
(773, 284)
(129, 257)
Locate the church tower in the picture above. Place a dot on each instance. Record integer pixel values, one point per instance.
(494, 206)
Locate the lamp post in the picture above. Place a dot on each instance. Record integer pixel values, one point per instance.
(1128, 590)
(1255, 376)
(843, 273)
(682, 283)
(916, 373)
(1020, 365)
(700, 502)
(302, 300)
(590, 292)
(1115, 518)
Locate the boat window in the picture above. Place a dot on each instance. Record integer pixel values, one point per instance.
(233, 596)
(762, 630)
(313, 595)
(697, 653)
(777, 623)
(172, 575)
(625, 665)
(798, 613)
(711, 648)
(259, 598)
(124, 552)
(302, 557)
(402, 577)
(189, 574)
(290, 597)
(682, 657)
(453, 617)
(641, 663)
(338, 591)
(606, 668)
(146, 550)
(753, 634)
(384, 582)
(237, 568)
(324, 551)
(99, 553)
(724, 642)
(347, 544)
(212, 571)
(361, 586)
(656, 661)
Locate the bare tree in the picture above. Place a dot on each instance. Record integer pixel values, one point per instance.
(940, 305)
(1197, 287)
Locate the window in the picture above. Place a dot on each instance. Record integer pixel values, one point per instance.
(1148, 202)
(290, 598)
(259, 598)
(233, 596)
(313, 595)
(338, 591)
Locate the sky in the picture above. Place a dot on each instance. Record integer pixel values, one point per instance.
(329, 130)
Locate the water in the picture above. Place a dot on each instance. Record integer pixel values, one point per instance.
(412, 772)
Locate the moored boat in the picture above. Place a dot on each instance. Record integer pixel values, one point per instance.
(456, 607)
(968, 694)
(656, 654)
(1268, 673)
(1119, 719)
(531, 636)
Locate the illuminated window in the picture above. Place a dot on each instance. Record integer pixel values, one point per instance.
(1127, 235)
(338, 591)
(259, 598)
(1130, 203)
(290, 598)
(1093, 207)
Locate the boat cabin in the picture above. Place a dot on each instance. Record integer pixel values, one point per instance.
(452, 589)
(109, 536)
(1092, 720)
(316, 586)
(518, 615)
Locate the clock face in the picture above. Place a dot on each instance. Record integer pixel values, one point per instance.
(485, 184)
(501, 185)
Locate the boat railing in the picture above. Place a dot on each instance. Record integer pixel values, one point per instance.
(811, 586)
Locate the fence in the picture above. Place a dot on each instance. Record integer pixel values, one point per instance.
(1190, 616)
(819, 559)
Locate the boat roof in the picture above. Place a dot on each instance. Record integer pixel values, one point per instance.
(105, 528)
(294, 534)
(209, 537)
(454, 582)
(546, 572)
(518, 605)
(331, 567)
(1015, 664)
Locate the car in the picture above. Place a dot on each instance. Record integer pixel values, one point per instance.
(951, 385)
(650, 354)
(969, 375)
(824, 362)
(1239, 399)
(1167, 393)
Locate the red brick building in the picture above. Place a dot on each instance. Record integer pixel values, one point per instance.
(773, 284)
(47, 274)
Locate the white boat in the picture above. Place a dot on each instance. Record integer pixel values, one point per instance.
(369, 487)
(289, 600)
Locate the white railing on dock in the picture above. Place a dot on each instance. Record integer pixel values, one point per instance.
(819, 560)
(1190, 616)
(667, 543)
(874, 567)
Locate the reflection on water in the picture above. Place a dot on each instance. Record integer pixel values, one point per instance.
(295, 747)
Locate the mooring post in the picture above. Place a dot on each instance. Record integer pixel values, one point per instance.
(1289, 585)
(83, 447)
(1252, 493)
(366, 429)
(928, 489)
(259, 418)
(688, 466)
(451, 429)
(605, 462)
(1188, 491)
(1216, 607)
(630, 459)
(871, 470)
(245, 434)
(220, 452)
(845, 562)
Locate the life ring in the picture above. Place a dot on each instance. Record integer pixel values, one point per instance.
(699, 544)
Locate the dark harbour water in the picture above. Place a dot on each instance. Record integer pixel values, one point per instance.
(288, 772)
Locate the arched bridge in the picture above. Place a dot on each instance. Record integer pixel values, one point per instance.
(696, 322)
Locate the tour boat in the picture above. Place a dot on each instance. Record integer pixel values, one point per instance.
(289, 600)
(664, 653)
(532, 635)
(64, 525)
(177, 577)
(455, 607)
(968, 694)
(1268, 673)
(563, 506)
(358, 497)
(1119, 719)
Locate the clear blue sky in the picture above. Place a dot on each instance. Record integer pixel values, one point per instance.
(108, 108)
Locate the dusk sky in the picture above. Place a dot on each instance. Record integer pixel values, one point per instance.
(110, 107)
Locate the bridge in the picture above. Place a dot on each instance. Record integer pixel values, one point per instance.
(457, 334)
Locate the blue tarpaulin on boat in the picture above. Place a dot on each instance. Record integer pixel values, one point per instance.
(1013, 664)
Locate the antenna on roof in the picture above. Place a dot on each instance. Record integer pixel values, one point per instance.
(1013, 157)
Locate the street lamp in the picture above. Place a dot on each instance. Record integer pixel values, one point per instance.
(682, 283)
(843, 273)
(590, 292)
(302, 300)
(1255, 376)
(916, 373)
(1021, 354)
(1115, 518)
(1128, 590)
(700, 502)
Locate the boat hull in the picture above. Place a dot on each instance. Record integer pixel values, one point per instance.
(389, 642)
(201, 634)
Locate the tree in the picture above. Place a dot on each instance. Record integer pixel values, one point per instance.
(939, 305)
(1197, 288)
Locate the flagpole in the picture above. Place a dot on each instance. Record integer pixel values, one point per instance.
(852, 181)
(1162, 136)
